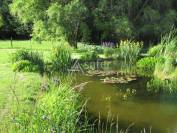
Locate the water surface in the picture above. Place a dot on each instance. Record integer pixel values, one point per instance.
(143, 109)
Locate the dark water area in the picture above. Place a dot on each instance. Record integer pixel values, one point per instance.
(145, 111)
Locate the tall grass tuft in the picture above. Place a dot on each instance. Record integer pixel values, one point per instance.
(162, 86)
(169, 53)
(129, 50)
(61, 57)
(57, 110)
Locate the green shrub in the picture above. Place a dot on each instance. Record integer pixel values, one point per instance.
(61, 57)
(33, 57)
(25, 66)
(21, 55)
(129, 50)
(147, 65)
(156, 50)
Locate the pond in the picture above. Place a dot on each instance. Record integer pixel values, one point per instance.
(129, 104)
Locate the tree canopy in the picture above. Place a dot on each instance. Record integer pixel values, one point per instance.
(101, 20)
(9, 25)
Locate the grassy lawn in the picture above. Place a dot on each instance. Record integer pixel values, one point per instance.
(27, 44)
(15, 88)
(18, 91)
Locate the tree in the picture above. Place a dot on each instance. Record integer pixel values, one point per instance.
(10, 26)
(1, 21)
(78, 20)
(53, 19)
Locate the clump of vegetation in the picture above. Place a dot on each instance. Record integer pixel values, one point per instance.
(129, 50)
(28, 60)
(89, 56)
(56, 111)
(83, 48)
(109, 52)
(156, 50)
(147, 65)
(165, 70)
(25, 66)
(61, 57)
(162, 86)
(169, 54)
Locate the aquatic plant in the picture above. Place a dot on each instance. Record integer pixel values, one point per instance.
(129, 50)
(162, 86)
(169, 54)
(146, 66)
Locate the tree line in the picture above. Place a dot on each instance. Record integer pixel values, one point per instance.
(89, 20)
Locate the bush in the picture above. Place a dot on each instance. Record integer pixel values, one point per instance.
(61, 57)
(33, 57)
(25, 66)
(147, 65)
(129, 50)
(156, 51)
(21, 55)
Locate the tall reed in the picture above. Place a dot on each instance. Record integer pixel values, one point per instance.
(61, 57)
(129, 50)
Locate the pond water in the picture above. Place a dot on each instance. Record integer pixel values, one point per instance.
(154, 113)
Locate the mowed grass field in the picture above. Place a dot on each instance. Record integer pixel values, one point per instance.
(16, 89)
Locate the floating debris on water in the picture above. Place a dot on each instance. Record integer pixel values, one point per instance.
(119, 80)
(102, 73)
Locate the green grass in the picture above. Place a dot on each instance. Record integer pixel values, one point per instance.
(18, 91)
(22, 88)
(27, 44)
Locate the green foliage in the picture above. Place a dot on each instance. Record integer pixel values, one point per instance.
(156, 50)
(147, 65)
(9, 25)
(129, 50)
(118, 25)
(169, 53)
(52, 20)
(56, 111)
(109, 52)
(61, 57)
(1, 21)
(25, 57)
(25, 66)
(89, 56)
(78, 20)
(82, 48)
(164, 86)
